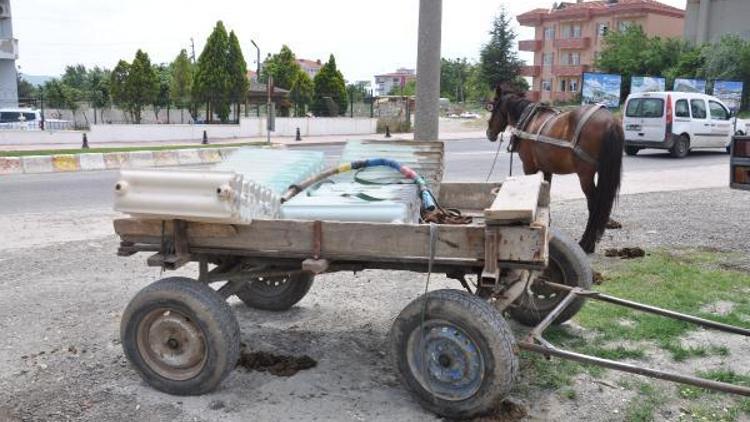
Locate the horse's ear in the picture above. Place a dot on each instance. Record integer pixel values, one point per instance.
(498, 91)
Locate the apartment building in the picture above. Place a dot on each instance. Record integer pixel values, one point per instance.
(569, 35)
(311, 67)
(709, 20)
(385, 83)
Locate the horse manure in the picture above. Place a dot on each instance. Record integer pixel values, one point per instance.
(613, 225)
(599, 278)
(279, 365)
(625, 253)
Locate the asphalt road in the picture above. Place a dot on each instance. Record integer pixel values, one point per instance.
(466, 160)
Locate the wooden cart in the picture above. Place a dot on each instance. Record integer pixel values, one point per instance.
(453, 348)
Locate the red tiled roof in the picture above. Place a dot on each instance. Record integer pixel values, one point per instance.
(591, 8)
(310, 63)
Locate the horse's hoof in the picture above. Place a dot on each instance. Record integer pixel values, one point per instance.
(587, 248)
(613, 225)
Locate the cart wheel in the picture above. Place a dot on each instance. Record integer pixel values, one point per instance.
(568, 265)
(276, 293)
(181, 336)
(461, 363)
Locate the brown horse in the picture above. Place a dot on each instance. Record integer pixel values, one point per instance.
(548, 143)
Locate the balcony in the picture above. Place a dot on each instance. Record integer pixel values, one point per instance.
(531, 71)
(563, 97)
(530, 45)
(572, 43)
(569, 70)
(533, 95)
(8, 49)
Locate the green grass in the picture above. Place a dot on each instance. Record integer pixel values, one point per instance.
(642, 407)
(117, 149)
(684, 284)
(744, 114)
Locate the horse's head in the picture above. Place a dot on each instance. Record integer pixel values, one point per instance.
(500, 118)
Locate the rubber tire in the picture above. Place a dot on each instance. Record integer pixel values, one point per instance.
(681, 147)
(573, 263)
(486, 327)
(293, 291)
(211, 313)
(632, 151)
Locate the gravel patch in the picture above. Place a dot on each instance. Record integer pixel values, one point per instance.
(60, 308)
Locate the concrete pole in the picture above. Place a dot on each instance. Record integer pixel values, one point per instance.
(428, 70)
(703, 18)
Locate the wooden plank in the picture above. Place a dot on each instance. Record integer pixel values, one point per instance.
(467, 196)
(517, 201)
(343, 240)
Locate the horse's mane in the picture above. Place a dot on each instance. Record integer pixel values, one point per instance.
(516, 104)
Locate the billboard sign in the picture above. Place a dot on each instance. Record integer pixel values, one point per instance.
(730, 92)
(601, 88)
(640, 84)
(690, 85)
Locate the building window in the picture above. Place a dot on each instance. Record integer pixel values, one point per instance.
(563, 84)
(546, 85)
(573, 85)
(624, 25)
(549, 32)
(571, 31)
(548, 59)
(570, 59)
(602, 29)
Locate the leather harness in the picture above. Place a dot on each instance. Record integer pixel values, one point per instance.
(519, 132)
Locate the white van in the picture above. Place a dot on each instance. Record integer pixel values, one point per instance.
(20, 118)
(676, 121)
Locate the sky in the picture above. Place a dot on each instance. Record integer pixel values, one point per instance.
(367, 37)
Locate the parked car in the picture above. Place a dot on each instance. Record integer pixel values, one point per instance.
(20, 118)
(469, 115)
(676, 121)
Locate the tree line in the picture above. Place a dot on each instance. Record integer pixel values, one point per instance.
(216, 83)
(633, 53)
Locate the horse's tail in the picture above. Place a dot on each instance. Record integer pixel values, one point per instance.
(609, 169)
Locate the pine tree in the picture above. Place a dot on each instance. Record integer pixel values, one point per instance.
(117, 85)
(499, 61)
(238, 83)
(302, 93)
(142, 84)
(212, 77)
(329, 83)
(182, 80)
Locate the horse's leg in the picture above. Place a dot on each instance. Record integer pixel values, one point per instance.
(588, 241)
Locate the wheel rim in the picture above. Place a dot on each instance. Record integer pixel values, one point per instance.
(271, 286)
(445, 360)
(172, 344)
(541, 296)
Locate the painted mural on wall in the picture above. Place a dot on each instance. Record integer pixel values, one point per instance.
(730, 92)
(601, 88)
(640, 84)
(690, 85)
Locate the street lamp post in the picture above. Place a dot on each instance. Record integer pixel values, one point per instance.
(257, 74)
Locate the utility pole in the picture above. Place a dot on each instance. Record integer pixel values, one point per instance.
(428, 70)
(192, 47)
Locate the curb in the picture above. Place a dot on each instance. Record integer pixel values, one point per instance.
(66, 163)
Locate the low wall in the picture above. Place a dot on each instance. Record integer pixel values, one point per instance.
(248, 128)
(148, 133)
(21, 137)
(252, 127)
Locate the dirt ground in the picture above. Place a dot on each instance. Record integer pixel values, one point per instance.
(60, 307)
